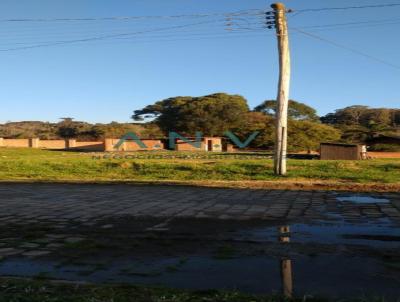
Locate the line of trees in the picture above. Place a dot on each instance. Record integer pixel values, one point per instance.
(217, 113)
(214, 114)
(68, 128)
(363, 124)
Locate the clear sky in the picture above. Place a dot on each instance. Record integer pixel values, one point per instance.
(129, 67)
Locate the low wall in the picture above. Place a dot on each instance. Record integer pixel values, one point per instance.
(185, 146)
(17, 143)
(383, 154)
(52, 144)
(55, 144)
(213, 144)
(207, 144)
(89, 146)
(129, 145)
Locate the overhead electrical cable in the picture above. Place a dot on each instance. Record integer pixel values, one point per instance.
(353, 50)
(125, 18)
(103, 37)
(347, 7)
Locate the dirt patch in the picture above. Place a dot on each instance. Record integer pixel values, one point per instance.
(298, 184)
(384, 154)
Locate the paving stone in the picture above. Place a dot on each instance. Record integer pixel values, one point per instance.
(74, 239)
(82, 205)
(107, 226)
(56, 236)
(36, 253)
(43, 240)
(54, 245)
(10, 251)
(29, 245)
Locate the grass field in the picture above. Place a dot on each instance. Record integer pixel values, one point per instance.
(44, 291)
(19, 164)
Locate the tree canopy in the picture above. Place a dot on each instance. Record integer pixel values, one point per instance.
(75, 129)
(361, 123)
(302, 135)
(296, 110)
(211, 114)
(307, 135)
(363, 116)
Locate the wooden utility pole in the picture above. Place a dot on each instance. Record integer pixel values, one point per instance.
(283, 89)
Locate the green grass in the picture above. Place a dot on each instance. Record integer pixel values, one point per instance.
(44, 291)
(45, 165)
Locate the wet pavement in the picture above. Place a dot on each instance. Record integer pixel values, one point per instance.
(259, 241)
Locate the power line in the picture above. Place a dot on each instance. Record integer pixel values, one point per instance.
(367, 23)
(218, 26)
(177, 36)
(231, 24)
(347, 7)
(353, 23)
(233, 21)
(350, 26)
(346, 48)
(103, 37)
(240, 24)
(248, 12)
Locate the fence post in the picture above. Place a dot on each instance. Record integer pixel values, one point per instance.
(34, 142)
(108, 145)
(70, 143)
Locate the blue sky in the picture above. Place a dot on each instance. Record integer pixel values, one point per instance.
(105, 80)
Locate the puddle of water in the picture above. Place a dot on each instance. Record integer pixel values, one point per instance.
(379, 235)
(332, 276)
(362, 199)
(333, 259)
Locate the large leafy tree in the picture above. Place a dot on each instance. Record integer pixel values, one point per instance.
(351, 115)
(260, 122)
(363, 116)
(212, 114)
(302, 135)
(306, 135)
(362, 123)
(296, 110)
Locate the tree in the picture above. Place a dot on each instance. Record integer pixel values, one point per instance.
(212, 114)
(396, 117)
(257, 121)
(306, 135)
(361, 115)
(302, 135)
(361, 123)
(296, 110)
(351, 115)
(67, 128)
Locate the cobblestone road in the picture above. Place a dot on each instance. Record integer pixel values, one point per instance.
(30, 203)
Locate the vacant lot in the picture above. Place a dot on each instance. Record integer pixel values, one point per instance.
(245, 170)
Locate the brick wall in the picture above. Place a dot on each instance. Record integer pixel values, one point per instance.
(23, 143)
(89, 146)
(129, 145)
(207, 144)
(52, 144)
(184, 146)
